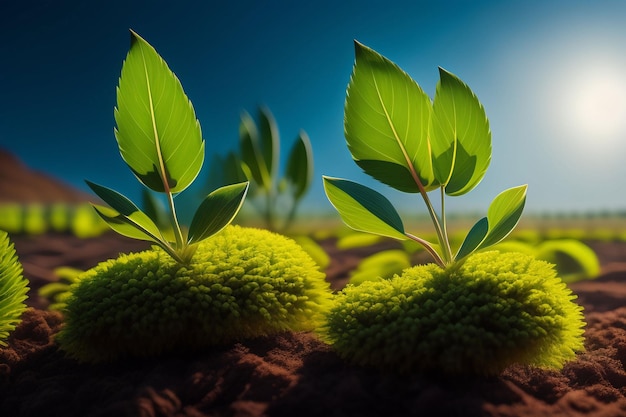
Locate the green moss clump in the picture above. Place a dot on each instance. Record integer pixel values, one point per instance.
(13, 288)
(494, 311)
(241, 283)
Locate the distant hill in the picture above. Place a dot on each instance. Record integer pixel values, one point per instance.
(21, 184)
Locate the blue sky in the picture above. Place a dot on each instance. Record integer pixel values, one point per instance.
(551, 75)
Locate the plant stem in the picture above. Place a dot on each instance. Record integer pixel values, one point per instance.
(447, 251)
(178, 234)
(438, 260)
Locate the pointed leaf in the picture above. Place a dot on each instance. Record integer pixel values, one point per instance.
(460, 136)
(251, 154)
(157, 131)
(122, 206)
(128, 226)
(217, 211)
(474, 238)
(299, 171)
(502, 217)
(269, 140)
(364, 209)
(386, 119)
(504, 214)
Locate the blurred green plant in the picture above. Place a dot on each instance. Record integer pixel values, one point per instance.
(161, 141)
(78, 219)
(13, 288)
(276, 197)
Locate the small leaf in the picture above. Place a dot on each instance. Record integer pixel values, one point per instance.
(473, 239)
(157, 131)
(299, 171)
(124, 211)
(460, 136)
(269, 140)
(364, 209)
(129, 226)
(386, 119)
(217, 211)
(504, 214)
(251, 154)
(502, 217)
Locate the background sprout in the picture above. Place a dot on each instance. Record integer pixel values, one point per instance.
(397, 136)
(275, 197)
(160, 140)
(13, 288)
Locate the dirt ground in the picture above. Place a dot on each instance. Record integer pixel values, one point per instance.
(296, 374)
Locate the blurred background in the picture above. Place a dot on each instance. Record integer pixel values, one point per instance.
(551, 75)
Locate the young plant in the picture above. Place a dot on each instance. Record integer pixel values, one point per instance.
(13, 288)
(397, 136)
(161, 141)
(241, 283)
(469, 312)
(258, 161)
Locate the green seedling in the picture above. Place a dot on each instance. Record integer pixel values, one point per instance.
(471, 311)
(13, 288)
(161, 141)
(188, 292)
(399, 137)
(275, 197)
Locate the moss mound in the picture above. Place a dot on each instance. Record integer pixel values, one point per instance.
(13, 288)
(241, 283)
(494, 311)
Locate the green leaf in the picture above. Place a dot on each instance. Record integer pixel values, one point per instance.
(157, 131)
(502, 217)
(460, 136)
(129, 226)
(386, 119)
(364, 209)
(473, 239)
(504, 214)
(269, 140)
(217, 211)
(123, 213)
(299, 171)
(251, 154)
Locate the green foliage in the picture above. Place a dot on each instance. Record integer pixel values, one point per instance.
(258, 161)
(242, 283)
(494, 311)
(402, 139)
(78, 219)
(383, 264)
(573, 259)
(57, 292)
(13, 288)
(160, 140)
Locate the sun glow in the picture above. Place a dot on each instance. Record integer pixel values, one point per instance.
(594, 104)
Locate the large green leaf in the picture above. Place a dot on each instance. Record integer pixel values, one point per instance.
(251, 153)
(217, 210)
(502, 217)
(299, 171)
(364, 209)
(157, 131)
(386, 119)
(124, 214)
(460, 136)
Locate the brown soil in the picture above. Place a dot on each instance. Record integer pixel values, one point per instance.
(295, 374)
